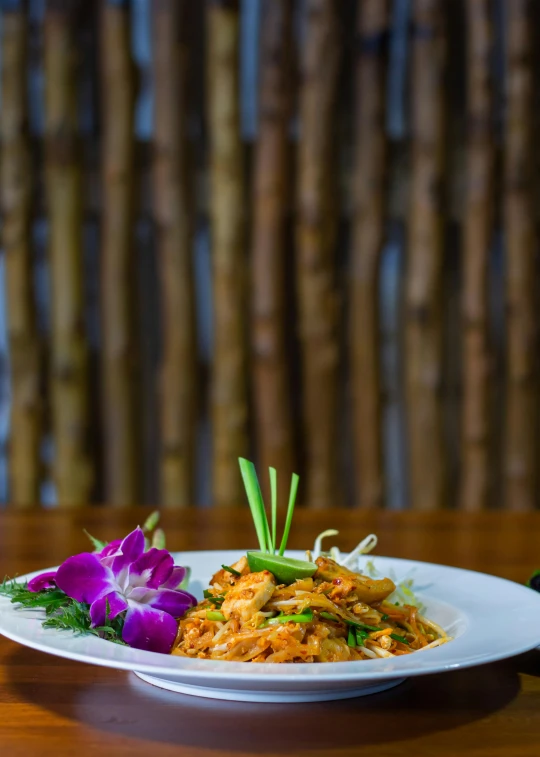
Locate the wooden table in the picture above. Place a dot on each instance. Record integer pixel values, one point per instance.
(50, 706)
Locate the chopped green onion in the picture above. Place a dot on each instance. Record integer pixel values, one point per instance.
(384, 617)
(256, 503)
(396, 637)
(215, 615)
(273, 491)
(329, 616)
(303, 617)
(290, 511)
(359, 637)
(231, 570)
(363, 626)
(351, 639)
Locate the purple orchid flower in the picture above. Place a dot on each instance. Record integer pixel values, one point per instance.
(123, 577)
(43, 581)
(48, 580)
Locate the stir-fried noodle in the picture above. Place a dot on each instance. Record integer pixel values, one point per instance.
(335, 615)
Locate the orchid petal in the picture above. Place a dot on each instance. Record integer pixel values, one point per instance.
(98, 610)
(176, 603)
(175, 579)
(84, 578)
(43, 581)
(151, 569)
(132, 547)
(112, 548)
(149, 629)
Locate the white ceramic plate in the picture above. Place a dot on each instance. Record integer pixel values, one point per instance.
(490, 619)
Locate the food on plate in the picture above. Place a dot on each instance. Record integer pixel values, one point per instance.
(266, 607)
(270, 608)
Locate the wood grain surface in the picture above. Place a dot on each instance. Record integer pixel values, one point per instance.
(50, 706)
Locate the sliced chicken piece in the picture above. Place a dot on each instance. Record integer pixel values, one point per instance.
(346, 582)
(249, 595)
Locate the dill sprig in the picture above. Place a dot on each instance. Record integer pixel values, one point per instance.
(62, 612)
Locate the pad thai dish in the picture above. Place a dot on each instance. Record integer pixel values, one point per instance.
(271, 608)
(335, 615)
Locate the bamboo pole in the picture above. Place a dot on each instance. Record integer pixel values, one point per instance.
(227, 218)
(172, 213)
(423, 319)
(119, 412)
(16, 187)
(272, 399)
(315, 239)
(73, 468)
(475, 474)
(369, 192)
(521, 448)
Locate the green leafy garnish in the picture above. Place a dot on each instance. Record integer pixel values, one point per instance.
(286, 570)
(290, 511)
(397, 637)
(362, 626)
(231, 570)
(215, 615)
(329, 616)
(273, 492)
(98, 545)
(303, 617)
(63, 613)
(267, 538)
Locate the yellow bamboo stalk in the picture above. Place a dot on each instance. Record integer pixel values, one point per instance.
(273, 416)
(369, 180)
(16, 187)
(478, 228)
(227, 218)
(119, 412)
(423, 327)
(521, 446)
(73, 468)
(315, 239)
(172, 213)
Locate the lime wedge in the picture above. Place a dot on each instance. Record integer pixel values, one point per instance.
(285, 569)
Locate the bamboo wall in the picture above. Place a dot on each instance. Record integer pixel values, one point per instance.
(304, 231)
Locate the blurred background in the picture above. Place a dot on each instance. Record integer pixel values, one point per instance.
(301, 231)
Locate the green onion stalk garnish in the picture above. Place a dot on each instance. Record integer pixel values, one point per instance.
(285, 569)
(303, 617)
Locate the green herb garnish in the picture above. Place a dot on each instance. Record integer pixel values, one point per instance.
(303, 617)
(62, 612)
(286, 570)
(231, 570)
(351, 639)
(362, 626)
(215, 615)
(329, 616)
(397, 637)
(360, 637)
